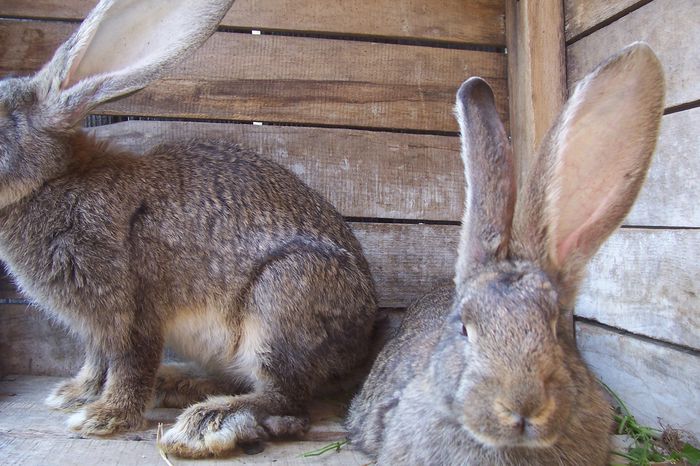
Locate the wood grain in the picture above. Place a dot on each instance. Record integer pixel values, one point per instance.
(582, 15)
(671, 193)
(670, 27)
(657, 383)
(288, 79)
(32, 344)
(476, 21)
(31, 434)
(362, 173)
(403, 176)
(407, 261)
(536, 73)
(647, 282)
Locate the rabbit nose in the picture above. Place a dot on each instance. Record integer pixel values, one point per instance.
(512, 418)
(521, 415)
(520, 424)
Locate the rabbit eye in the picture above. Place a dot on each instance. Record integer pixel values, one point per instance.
(464, 331)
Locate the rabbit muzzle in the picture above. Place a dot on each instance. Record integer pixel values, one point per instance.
(527, 422)
(523, 410)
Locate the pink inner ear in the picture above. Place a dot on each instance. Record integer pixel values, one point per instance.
(571, 241)
(68, 80)
(598, 153)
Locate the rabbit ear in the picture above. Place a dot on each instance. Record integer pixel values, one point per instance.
(592, 163)
(121, 47)
(489, 174)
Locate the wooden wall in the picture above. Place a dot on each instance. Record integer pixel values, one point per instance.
(356, 100)
(638, 317)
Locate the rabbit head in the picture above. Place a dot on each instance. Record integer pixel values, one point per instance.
(121, 46)
(521, 260)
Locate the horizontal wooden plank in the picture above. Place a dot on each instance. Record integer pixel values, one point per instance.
(407, 260)
(31, 434)
(289, 79)
(67, 450)
(647, 282)
(476, 21)
(362, 173)
(670, 27)
(657, 383)
(405, 176)
(32, 344)
(671, 193)
(582, 15)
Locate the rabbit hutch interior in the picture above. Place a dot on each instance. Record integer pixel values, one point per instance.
(356, 98)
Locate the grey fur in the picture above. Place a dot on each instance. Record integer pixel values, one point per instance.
(204, 246)
(488, 372)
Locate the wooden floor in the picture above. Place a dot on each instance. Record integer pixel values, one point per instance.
(32, 434)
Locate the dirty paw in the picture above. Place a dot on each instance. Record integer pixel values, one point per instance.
(72, 395)
(212, 428)
(100, 419)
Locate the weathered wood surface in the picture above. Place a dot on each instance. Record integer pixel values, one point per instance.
(582, 15)
(476, 21)
(670, 27)
(407, 261)
(404, 176)
(671, 193)
(32, 434)
(288, 79)
(647, 282)
(362, 173)
(536, 73)
(656, 382)
(32, 344)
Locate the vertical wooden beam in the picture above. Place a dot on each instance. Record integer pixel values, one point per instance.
(536, 72)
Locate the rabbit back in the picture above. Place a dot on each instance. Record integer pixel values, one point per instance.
(404, 356)
(187, 227)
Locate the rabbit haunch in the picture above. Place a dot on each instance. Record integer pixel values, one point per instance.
(202, 245)
(489, 368)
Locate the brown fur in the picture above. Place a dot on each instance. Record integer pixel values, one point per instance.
(202, 246)
(488, 372)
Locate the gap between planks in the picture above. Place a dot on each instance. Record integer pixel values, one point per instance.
(626, 333)
(672, 30)
(584, 17)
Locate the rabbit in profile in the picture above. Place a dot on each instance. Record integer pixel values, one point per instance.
(487, 371)
(224, 256)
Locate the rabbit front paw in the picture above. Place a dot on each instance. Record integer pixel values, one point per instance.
(73, 394)
(102, 419)
(215, 427)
